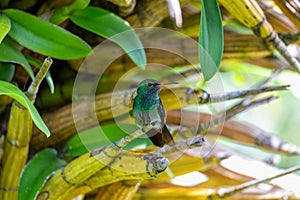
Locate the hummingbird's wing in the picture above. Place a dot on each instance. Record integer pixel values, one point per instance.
(159, 134)
(131, 107)
(156, 118)
(166, 135)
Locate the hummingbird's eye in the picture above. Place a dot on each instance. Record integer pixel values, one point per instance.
(149, 84)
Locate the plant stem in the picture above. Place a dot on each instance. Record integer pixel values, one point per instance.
(34, 87)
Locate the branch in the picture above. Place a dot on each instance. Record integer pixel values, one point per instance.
(225, 192)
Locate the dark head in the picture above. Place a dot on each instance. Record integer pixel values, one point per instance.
(149, 86)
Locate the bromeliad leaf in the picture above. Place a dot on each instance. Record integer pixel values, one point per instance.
(44, 37)
(37, 171)
(9, 53)
(110, 26)
(211, 38)
(4, 26)
(12, 91)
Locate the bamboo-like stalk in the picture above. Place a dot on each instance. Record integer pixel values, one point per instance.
(236, 131)
(293, 15)
(180, 163)
(251, 15)
(108, 165)
(184, 164)
(15, 151)
(237, 46)
(151, 13)
(120, 190)
(4, 101)
(107, 106)
(269, 62)
(111, 164)
(279, 21)
(16, 144)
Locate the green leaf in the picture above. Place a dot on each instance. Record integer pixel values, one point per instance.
(4, 26)
(37, 171)
(110, 26)
(7, 71)
(10, 53)
(103, 136)
(211, 38)
(38, 64)
(44, 37)
(15, 93)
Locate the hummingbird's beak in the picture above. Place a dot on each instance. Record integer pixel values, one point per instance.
(164, 84)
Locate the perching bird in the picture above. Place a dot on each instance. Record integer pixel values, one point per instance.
(149, 111)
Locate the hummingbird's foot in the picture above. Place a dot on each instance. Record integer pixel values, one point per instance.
(157, 163)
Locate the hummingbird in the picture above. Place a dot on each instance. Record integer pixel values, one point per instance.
(148, 110)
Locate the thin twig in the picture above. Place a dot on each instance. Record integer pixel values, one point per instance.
(203, 128)
(181, 145)
(34, 87)
(124, 141)
(271, 78)
(231, 190)
(239, 94)
(198, 140)
(238, 108)
(266, 81)
(282, 49)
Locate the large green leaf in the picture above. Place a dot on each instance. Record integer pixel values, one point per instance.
(10, 53)
(103, 136)
(12, 91)
(44, 37)
(211, 38)
(7, 71)
(37, 171)
(4, 26)
(110, 26)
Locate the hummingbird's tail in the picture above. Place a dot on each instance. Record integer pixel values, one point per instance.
(167, 137)
(159, 138)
